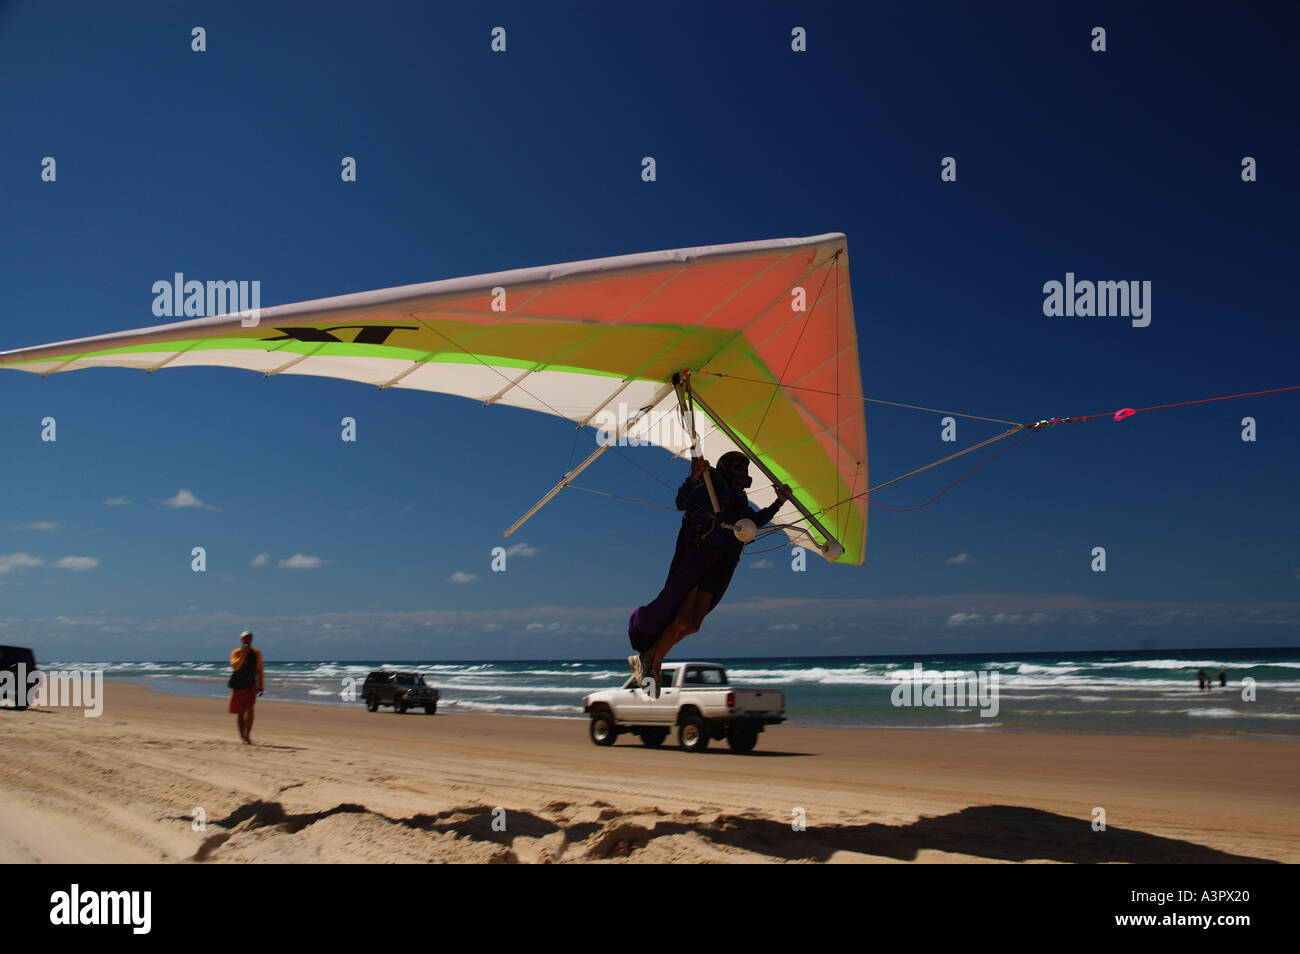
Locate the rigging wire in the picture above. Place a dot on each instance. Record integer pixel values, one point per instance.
(955, 482)
(1024, 430)
(1129, 411)
(1028, 429)
(603, 493)
(799, 387)
(787, 542)
(650, 472)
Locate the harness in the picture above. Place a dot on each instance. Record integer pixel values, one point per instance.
(704, 522)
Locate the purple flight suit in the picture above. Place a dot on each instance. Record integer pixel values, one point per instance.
(706, 554)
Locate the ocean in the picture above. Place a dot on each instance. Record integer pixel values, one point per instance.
(1097, 692)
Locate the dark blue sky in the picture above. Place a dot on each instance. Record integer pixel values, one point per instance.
(1123, 165)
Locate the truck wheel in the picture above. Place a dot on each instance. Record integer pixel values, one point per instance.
(398, 707)
(693, 734)
(602, 729)
(742, 738)
(372, 704)
(653, 738)
(430, 710)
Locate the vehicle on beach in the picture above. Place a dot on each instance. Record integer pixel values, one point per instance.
(11, 657)
(401, 690)
(695, 697)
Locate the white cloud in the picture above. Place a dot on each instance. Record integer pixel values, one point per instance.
(18, 561)
(185, 498)
(262, 559)
(117, 502)
(956, 619)
(300, 561)
(40, 525)
(77, 563)
(459, 577)
(522, 549)
(959, 559)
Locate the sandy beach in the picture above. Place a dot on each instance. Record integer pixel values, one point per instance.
(331, 784)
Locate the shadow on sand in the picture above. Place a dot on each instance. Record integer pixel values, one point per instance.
(994, 832)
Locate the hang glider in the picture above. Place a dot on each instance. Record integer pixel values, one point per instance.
(756, 338)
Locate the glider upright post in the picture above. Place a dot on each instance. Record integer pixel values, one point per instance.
(681, 386)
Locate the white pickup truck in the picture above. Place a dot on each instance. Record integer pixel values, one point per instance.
(695, 697)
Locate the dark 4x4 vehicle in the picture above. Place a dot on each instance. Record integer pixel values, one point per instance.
(401, 690)
(11, 657)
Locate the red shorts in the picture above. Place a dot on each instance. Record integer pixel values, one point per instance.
(241, 700)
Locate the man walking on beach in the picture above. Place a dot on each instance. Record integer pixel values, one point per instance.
(246, 684)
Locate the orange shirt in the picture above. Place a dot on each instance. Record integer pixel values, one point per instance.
(237, 660)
